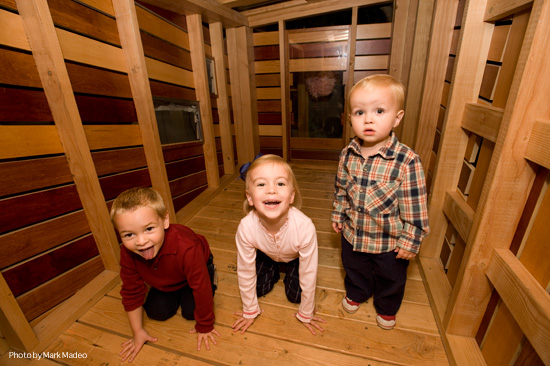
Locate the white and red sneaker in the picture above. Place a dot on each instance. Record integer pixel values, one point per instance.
(385, 321)
(349, 305)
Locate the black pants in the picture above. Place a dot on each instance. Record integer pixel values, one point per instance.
(267, 274)
(161, 305)
(381, 276)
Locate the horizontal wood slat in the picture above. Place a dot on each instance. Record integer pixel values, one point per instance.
(113, 185)
(269, 119)
(266, 38)
(12, 33)
(526, 299)
(27, 242)
(152, 24)
(269, 106)
(326, 49)
(268, 93)
(110, 136)
(18, 141)
(498, 9)
(14, 106)
(370, 31)
(379, 62)
(162, 71)
(188, 183)
(341, 33)
(270, 130)
(267, 67)
(185, 167)
(262, 53)
(483, 120)
(459, 213)
(373, 47)
(268, 80)
(120, 160)
(38, 270)
(45, 297)
(538, 149)
(163, 51)
(105, 110)
(318, 64)
(182, 151)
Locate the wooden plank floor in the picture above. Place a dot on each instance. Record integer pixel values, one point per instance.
(276, 337)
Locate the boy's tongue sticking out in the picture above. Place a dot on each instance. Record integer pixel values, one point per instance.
(148, 253)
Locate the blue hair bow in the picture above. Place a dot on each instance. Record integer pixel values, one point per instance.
(244, 168)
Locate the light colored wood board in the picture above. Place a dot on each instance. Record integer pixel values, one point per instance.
(200, 77)
(284, 76)
(526, 299)
(316, 64)
(372, 31)
(465, 179)
(91, 52)
(249, 348)
(488, 84)
(296, 10)
(12, 33)
(266, 38)
(538, 149)
(459, 213)
(159, 27)
(112, 136)
(465, 351)
(276, 328)
(267, 67)
(399, 38)
(324, 35)
(99, 348)
(223, 103)
(21, 141)
(502, 339)
(472, 148)
(162, 71)
(498, 43)
(268, 93)
(270, 130)
(498, 9)
(482, 120)
(437, 284)
(371, 62)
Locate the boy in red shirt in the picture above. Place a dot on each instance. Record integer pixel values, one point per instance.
(174, 261)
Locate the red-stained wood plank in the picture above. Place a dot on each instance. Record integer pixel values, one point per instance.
(314, 50)
(163, 51)
(186, 184)
(263, 53)
(271, 142)
(182, 168)
(29, 241)
(177, 19)
(20, 211)
(113, 185)
(269, 106)
(43, 298)
(14, 106)
(105, 110)
(120, 160)
(181, 201)
(269, 118)
(92, 80)
(72, 16)
(160, 89)
(29, 274)
(18, 68)
(373, 47)
(331, 155)
(27, 175)
(181, 151)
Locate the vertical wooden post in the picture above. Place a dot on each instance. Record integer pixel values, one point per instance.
(352, 45)
(399, 35)
(216, 37)
(285, 89)
(128, 29)
(58, 89)
(200, 76)
(243, 92)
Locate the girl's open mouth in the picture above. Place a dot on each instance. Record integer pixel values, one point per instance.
(271, 203)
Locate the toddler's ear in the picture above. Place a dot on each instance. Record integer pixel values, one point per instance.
(398, 118)
(166, 221)
(249, 198)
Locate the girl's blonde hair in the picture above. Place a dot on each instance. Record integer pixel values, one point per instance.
(134, 198)
(272, 159)
(381, 81)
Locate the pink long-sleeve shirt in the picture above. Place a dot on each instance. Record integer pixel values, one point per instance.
(296, 239)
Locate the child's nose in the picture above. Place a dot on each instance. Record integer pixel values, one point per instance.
(141, 240)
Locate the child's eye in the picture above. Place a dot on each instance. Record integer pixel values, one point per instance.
(150, 228)
(379, 111)
(358, 113)
(261, 184)
(281, 184)
(126, 236)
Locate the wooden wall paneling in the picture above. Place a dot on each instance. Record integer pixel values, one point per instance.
(440, 43)
(500, 9)
(196, 40)
(500, 208)
(160, 89)
(104, 6)
(527, 300)
(347, 132)
(285, 89)
(91, 80)
(482, 120)
(53, 73)
(112, 136)
(153, 24)
(185, 167)
(97, 109)
(12, 32)
(537, 149)
(482, 166)
(19, 141)
(162, 71)
(164, 51)
(128, 28)
(329, 64)
(50, 294)
(224, 112)
(416, 73)
(186, 184)
(113, 185)
(243, 91)
(181, 151)
(399, 45)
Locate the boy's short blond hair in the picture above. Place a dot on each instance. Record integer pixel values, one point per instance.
(273, 159)
(381, 81)
(137, 197)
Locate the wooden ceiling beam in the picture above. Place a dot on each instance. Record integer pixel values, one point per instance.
(299, 9)
(210, 10)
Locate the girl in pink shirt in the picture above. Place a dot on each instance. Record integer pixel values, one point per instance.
(274, 231)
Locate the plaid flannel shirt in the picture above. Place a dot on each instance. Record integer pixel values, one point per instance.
(382, 200)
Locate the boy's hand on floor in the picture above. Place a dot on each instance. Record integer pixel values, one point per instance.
(132, 346)
(204, 337)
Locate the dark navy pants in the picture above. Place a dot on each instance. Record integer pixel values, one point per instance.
(381, 276)
(161, 305)
(267, 275)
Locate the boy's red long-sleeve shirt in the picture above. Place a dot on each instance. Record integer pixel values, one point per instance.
(181, 261)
